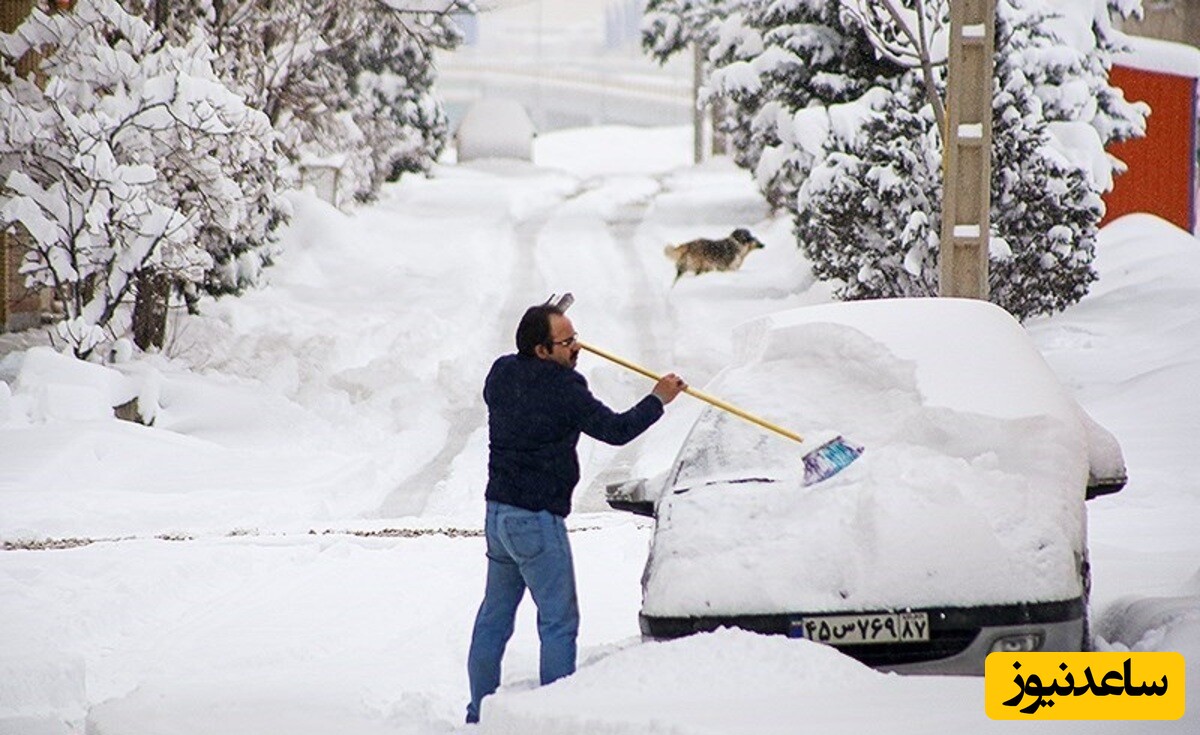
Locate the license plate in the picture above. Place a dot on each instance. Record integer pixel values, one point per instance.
(880, 628)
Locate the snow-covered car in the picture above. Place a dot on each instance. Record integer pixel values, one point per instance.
(961, 529)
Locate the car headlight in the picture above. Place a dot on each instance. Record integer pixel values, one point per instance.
(1017, 643)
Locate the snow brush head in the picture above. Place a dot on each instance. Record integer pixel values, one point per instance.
(829, 459)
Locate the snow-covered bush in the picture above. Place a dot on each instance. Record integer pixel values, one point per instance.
(123, 156)
(845, 138)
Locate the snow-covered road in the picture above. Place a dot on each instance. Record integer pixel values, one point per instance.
(345, 397)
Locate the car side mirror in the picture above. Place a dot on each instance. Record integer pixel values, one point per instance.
(1106, 486)
(630, 496)
(1106, 473)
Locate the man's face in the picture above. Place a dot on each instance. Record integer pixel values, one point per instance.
(564, 348)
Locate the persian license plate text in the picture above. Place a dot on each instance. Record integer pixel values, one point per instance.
(879, 628)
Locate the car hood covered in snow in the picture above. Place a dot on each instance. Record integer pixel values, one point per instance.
(970, 491)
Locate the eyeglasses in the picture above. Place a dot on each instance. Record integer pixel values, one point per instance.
(569, 341)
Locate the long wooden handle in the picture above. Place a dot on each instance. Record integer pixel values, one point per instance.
(709, 399)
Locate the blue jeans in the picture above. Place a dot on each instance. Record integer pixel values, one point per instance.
(524, 549)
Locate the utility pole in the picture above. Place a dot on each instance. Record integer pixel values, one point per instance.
(967, 154)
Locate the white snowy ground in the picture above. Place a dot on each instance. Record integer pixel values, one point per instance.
(233, 589)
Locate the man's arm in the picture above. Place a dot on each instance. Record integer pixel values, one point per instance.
(601, 422)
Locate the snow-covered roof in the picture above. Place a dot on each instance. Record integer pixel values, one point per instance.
(1166, 57)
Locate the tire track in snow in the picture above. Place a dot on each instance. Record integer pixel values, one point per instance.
(414, 494)
(648, 309)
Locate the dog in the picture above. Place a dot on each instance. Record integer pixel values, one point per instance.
(703, 255)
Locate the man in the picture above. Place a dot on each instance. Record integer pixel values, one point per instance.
(537, 407)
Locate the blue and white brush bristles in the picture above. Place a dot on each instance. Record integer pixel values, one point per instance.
(829, 459)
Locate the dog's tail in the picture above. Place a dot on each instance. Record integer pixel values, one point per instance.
(675, 253)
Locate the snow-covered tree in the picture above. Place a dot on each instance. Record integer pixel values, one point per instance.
(854, 151)
(775, 59)
(116, 154)
(240, 252)
(389, 68)
(868, 212)
(1070, 77)
(912, 34)
(1046, 208)
(672, 26)
(343, 80)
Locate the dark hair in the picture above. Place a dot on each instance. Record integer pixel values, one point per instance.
(534, 328)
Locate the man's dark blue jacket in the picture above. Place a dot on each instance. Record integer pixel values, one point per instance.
(536, 411)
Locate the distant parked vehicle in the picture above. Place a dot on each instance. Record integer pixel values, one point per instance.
(960, 531)
(495, 128)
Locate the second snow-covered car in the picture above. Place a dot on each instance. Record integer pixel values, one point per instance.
(961, 530)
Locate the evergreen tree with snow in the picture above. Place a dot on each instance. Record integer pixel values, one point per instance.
(1071, 76)
(862, 175)
(775, 59)
(1045, 209)
(672, 26)
(867, 214)
(119, 156)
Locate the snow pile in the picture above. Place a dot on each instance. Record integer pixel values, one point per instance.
(38, 680)
(722, 677)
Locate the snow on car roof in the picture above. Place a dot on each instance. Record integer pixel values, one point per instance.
(956, 345)
(970, 490)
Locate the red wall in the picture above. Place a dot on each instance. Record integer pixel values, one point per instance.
(1161, 176)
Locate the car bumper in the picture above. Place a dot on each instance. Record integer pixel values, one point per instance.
(960, 638)
(1065, 635)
